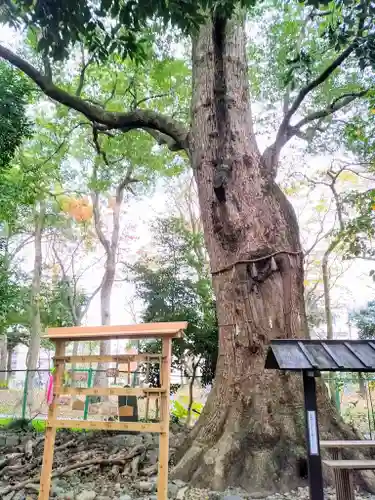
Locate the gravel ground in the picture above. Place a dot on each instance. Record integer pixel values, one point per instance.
(113, 482)
(72, 488)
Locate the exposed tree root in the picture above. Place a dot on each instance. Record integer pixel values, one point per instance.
(258, 443)
(90, 455)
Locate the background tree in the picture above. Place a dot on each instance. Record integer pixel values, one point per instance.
(15, 125)
(14, 128)
(171, 290)
(13, 303)
(364, 320)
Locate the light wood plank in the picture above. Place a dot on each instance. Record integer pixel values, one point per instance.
(49, 443)
(109, 426)
(108, 391)
(164, 417)
(126, 358)
(348, 444)
(350, 464)
(142, 330)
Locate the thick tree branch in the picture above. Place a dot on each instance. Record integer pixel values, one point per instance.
(20, 246)
(286, 131)
(124, 184)
(163, 139)
(47, 68)
(145, 99)
(315, 83)
(336, 105)
(138, 118)
(96, 211)
(112, 94)
(271, 154)
(98, 149)
(120, 188)
(82, 74)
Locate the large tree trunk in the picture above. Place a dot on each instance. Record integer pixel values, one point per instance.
(35, 323)
(251, 432)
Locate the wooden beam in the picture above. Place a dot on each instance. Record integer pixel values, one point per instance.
(145, 330)
(108, 391)
(350, 464)
(49, 443)
(109, 426)
(364, 443)
(108, 359)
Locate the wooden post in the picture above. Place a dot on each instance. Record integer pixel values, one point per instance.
(344, 485)
(147, 380)
(164, 418)
(49, 443)
(312, 437)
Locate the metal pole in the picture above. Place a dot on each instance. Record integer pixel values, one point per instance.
(314, 460)
(87, 400)
(24, 399)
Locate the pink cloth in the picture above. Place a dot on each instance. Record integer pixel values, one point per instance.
(49, 394)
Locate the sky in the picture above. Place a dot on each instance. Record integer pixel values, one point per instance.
(353, 290)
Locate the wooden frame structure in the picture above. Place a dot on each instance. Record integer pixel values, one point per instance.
(60, 336)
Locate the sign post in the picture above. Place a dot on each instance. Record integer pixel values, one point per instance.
(314, 460)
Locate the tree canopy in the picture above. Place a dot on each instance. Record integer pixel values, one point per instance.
(113, 28)
(15, 126)
(62, 24)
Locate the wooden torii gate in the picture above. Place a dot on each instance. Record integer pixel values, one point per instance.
(61, 336)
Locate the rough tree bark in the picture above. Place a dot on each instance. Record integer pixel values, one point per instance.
(251, 432)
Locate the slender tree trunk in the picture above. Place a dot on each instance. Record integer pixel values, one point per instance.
(362, 385)
(74, 365)
(110, 246)
(9, 364)
(251, 432)
(35, 323)
(3, 360)
(328, 313)
(191, 391)
(327, 295)
(105, 309)
(75, 351)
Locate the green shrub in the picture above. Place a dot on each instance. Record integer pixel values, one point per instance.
(179, 411)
